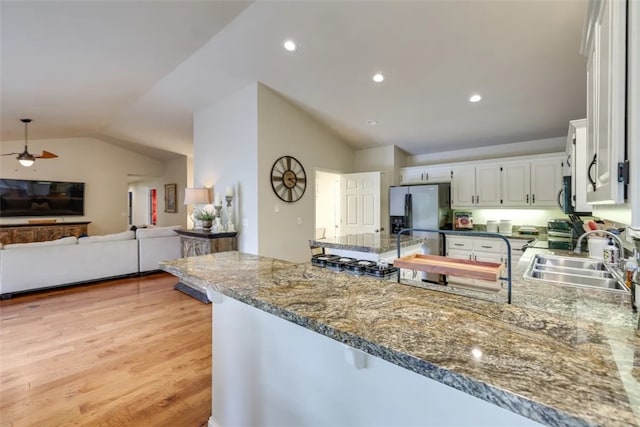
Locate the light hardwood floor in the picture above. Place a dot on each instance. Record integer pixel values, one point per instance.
(130, 352)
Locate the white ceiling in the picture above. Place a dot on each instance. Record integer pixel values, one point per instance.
(132, 72)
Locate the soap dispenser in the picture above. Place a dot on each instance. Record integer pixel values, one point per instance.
(610, 253)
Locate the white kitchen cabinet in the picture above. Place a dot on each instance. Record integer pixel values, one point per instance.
(488, 186)
(475, 249)
(516, 184)
(532, 183)
(426, 175)
(546, 182)
(578, 163)
(604, 44)
(463, 187)
(476, 187)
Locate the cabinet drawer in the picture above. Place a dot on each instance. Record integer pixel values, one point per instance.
(488, 245)
(460, 243)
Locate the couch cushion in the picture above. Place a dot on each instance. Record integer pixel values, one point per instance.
(144, 233)
(125, 235)
(60, 242)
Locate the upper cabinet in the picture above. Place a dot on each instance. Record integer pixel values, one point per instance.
(425, 175)
(604, 44)
(475, 186)
(508, 183)
(578, 164)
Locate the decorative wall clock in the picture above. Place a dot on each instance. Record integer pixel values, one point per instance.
(288, 179)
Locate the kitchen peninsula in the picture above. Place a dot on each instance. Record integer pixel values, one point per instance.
(369, 246)
(300, 345)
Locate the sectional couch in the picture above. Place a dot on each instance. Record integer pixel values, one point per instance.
(30, 266)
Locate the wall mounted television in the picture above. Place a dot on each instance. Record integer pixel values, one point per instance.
(21, 197)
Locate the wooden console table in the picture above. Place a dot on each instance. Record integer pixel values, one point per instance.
(200, 242)
(28, 233)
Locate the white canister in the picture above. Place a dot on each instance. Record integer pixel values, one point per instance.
(596, 247)
(492, 226)
(505, 226)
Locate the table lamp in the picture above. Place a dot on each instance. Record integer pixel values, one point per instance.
(196, 196)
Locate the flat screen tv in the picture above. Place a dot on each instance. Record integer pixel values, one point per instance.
(21, 197)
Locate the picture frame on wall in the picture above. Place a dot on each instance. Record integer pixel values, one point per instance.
(170, 198)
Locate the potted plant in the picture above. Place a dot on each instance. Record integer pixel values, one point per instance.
(206, 217)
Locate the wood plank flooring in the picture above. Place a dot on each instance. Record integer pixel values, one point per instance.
(130, 352)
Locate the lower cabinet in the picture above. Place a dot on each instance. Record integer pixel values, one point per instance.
(482, 249)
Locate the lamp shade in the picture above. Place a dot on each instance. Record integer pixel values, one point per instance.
(197, 196)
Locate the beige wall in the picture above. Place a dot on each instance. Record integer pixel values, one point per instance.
(101, 166)
(235, 144)
(284, 129)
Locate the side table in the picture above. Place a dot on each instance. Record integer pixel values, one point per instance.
(201, 242)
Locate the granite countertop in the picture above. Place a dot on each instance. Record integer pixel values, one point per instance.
(367, 242)
(544, 357)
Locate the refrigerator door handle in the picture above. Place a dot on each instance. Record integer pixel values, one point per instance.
(408, 211)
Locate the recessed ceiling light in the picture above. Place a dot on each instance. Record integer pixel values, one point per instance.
(372, 122)
(290, 45)
(378, 77)
(475, 98)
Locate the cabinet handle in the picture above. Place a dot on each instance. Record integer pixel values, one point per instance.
(426, 176)
(527, 198)
(458, 244)
(471, 257)
(591, 165)
(486, 247)
(533, 199)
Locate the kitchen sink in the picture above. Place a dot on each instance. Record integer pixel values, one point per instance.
(574, 272)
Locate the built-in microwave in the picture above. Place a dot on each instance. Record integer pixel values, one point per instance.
(564, 196)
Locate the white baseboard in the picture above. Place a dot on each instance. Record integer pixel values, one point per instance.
(212, 422)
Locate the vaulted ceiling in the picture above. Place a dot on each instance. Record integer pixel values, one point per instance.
(132, 72)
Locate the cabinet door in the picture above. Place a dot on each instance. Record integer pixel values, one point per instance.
(606, 101)
(546, 182)
(44, 234)
(516, 184)
(25, 235)
(434, 175)
(412, 175)
(463, 187)
(459, 254)
(488, 186)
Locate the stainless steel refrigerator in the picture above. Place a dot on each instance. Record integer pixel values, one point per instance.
(426, 206)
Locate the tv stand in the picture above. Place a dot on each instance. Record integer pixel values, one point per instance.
(28, 233)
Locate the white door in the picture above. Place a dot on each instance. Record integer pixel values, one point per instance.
(463, 187)
(516, 184)
(360, 203)
(327, 204)
(488, 186)
(546, 182)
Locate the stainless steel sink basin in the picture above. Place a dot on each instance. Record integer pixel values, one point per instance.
(573, 272)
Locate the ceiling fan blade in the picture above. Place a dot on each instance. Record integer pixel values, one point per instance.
(10, 154)
(46, 155)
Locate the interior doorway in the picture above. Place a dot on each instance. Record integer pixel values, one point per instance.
(353, 203)
(153, 206)
(327, 204)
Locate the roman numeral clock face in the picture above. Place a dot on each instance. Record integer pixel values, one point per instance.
(288, 179)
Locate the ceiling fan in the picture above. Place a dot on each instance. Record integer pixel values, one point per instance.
(25, 158)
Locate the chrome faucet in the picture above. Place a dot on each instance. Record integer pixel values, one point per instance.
(615, 237)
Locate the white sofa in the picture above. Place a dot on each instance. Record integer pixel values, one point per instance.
(156, 244)
(30, 266)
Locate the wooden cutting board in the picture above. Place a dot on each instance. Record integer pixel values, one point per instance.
(481, 270)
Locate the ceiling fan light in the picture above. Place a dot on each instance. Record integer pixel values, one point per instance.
(26, 162)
